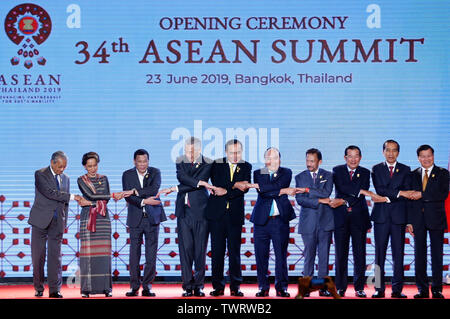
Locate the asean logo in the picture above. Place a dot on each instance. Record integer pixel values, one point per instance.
(28, 26)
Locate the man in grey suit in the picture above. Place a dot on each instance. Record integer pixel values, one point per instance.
(314, 187)
(48, 218)
(193, 172)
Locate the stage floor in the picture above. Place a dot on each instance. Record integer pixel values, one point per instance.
(174, 291)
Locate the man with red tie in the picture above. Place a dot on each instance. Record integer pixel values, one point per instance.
(390, 179)
(426, 214)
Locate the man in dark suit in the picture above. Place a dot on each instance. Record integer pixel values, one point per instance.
(193, 172)
(271, 215)
(351, 219)
(225, 213)
(145, 213)
(389, 215)
(48, 217)
(316, 216)
(426, 214)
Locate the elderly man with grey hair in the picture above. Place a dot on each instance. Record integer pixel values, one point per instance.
(48, 218)
(193, 173)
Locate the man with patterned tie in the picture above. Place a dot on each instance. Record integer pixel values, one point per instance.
(351, 219)
(426, 214)
(225, 213)
(48, 217)
(271, 215)
(391, 180)
(316, 222)
(193, 172)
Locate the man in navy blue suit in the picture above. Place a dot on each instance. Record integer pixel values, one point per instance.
(316, 216)
(145, 213)
(426, 214)
(271, 216)
(351, 219)
(390, 179)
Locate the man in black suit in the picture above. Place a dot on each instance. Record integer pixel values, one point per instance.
(48, 218)
(271, 215)
(351, 219)
(390, 179)
(225, 213)
(145, 213)
(426, 214)
(193, 172)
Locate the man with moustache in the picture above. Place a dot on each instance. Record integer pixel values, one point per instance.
(271, 215)
(225, 213)
(351, 219)
(193, 172)
(426, 214)
(389, 215)
(316, 222)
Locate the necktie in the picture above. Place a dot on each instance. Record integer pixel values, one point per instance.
(425, 180)
(272, 209)
(58, 188)
(314, 177)
(231, 179)
(351, 175)
(391, 170)
(187, 197)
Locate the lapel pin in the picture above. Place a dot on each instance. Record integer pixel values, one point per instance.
(320, 177)
(432, 175)
(146, 176)
(237, 169)
(357, 175)
(275, 175)
(396, 170)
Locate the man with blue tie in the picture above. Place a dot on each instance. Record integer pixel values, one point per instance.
(351, 219)
(426, 215)
(316, 216)
(271, 215)
(390, 179)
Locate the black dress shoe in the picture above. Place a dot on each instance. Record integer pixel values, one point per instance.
(187, 293)
(306, 295)
(262, 293)
(148, 293)
(198, 292)
(108, 294)
(341, 292)
(360, 294)
(324, 293)
(398, 295)
(283, 293)
(437, 295)
(378, 294)
(38, 293)
(236, 293)
(84, 295)
(217, 292)
(421, 295)
(132, 293)
(55, 295)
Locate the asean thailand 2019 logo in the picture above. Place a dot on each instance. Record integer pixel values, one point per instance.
(28, 26)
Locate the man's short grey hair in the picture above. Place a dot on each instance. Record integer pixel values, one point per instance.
(272, 149)
(194, 141)
(57, 155)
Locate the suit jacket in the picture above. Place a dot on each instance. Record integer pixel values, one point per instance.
(385, 186)
(188, 176)
(48, 199)
(220, 176)
(151, 184)
(268, 192)
(312, 213)
(432, 203)
(348, 190)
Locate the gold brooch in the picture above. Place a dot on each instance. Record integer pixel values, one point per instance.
(237, 169)
(100, 183)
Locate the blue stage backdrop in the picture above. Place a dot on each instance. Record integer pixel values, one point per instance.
(115, 76)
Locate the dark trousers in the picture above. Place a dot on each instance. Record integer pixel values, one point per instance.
(342, 243)
(382, 233)
(50, 239)
(225, 235)
(192, 242)
(277, 231)
(150, 232)
(420, 255)
(316, 243)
